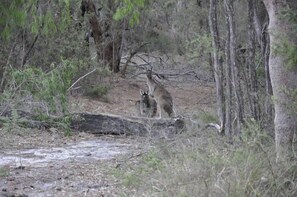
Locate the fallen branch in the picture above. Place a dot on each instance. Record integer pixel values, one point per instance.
(216, 126)
(81, 79)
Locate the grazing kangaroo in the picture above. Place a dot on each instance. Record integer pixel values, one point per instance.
(161, 95)
(146, 106)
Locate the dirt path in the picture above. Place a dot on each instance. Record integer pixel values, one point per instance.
(40, 163)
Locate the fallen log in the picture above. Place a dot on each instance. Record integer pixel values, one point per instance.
(119, 125)
(105, 124)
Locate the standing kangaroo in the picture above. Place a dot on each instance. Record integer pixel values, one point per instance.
(146, 106)
(161, 95)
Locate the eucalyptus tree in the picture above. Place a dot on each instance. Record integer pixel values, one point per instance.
(217, 63)
(25, 23)
(283, 72)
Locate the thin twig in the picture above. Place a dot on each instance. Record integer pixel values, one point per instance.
(81, 79)
(29, 50)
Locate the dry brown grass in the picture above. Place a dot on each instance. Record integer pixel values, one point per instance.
(203, 164)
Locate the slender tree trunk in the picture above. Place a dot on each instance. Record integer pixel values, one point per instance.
(218, 69)
(268, 86)
(261, 24)
(253, 83)
(283, 75)
(234, 67)
(228, 95)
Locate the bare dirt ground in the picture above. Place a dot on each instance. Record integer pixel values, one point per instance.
(48, 163)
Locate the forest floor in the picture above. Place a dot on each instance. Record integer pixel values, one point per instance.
(48, 163)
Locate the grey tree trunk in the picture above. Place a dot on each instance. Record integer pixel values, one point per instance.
(261, 23)
(283, 75)
(268, 86)
(228, 95)
(253, 82)
(234, 67)
(218, 69)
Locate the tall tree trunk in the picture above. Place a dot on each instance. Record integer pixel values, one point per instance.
(268, 86)
(228, 95)
(261, 23)
(218, 69)
(234, 67)
(283, 78)
(253, 83)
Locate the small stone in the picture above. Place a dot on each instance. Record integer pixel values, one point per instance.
(59, 189)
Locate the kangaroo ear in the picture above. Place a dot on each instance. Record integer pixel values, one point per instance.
(141, 92)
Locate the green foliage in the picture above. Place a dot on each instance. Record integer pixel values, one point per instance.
(290, 16)
(50, 87)
(130, 9)
(150, 162)
(30, 14)
(292, 95)
(65, 125)
(11, 16)
(47, 89)
(197, 51)
(289, 51)
(98, 91)
(9, 123)
(199, 47)
(4, 172)
(207, 117)
(285, 47)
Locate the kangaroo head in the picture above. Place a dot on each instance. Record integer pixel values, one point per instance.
(151, 82)
(145, 97)
(149, 74)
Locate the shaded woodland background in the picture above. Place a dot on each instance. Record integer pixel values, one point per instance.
(53, 49)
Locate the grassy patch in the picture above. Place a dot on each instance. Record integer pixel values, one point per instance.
(207, 117)
(97, 92)
(209, 165)
(4, 172)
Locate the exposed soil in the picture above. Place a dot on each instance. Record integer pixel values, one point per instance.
(48, 163)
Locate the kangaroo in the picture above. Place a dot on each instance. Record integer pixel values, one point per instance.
(146, 106)
(161, 95)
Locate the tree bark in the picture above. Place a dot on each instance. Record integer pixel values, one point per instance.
(104, 124)
(268, 86)
(228, 95)
(283, 78)
(218, 69)
(261, 21)
(118, 125)
(234, 67)
(253, 82)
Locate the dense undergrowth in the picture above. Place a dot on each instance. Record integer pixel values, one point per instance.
(209, 165)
